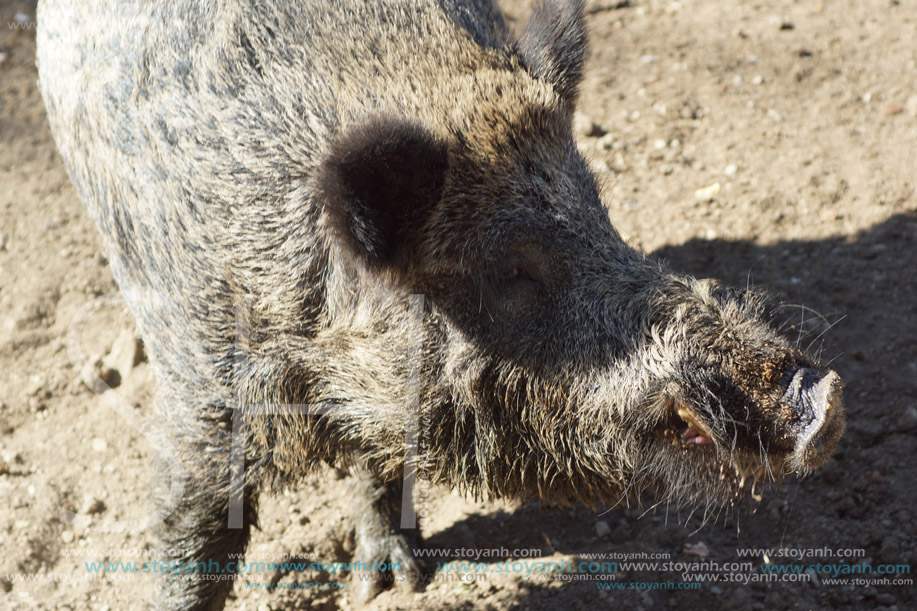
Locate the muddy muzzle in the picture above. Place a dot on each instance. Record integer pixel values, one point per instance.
(818, 402)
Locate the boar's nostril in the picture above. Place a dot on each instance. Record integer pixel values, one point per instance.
(802, 390)
(821, 402)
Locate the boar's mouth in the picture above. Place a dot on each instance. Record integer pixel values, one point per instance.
(684, 422)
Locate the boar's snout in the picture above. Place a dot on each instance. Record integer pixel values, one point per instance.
(820, 416)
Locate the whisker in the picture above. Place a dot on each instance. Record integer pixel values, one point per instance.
(828, 328)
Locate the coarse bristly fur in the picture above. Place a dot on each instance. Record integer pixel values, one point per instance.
(350, 220)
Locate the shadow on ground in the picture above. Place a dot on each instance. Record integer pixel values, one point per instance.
(855, 301)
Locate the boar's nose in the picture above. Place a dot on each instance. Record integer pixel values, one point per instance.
(821, 416)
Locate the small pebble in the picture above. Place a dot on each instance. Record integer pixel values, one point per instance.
(36, 405)
(886, 598)
(111, 376)
(602, 528)
(93, 505)
(698, 549)
(125, 354)
(730, 169)
(890, 110)
(908, 419)
(911, 106)
(13, 458)
(581, 122)
(596, 131)
(585, 126)
(67, 536)
(99, 445)
(90, 376)
(707, 193)
(813, 577)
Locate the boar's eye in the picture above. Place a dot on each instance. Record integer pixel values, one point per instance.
(522, 273)
(516, 272)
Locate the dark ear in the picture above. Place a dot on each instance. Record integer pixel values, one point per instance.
(553, 46)
(379, 183)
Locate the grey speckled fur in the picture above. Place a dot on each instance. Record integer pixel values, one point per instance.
(274, 180)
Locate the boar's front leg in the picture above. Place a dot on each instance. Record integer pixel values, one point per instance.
(381, 543)
(202, 524)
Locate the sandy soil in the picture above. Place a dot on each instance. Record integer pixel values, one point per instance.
(803, 112)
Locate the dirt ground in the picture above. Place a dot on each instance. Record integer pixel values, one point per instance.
(798, 117)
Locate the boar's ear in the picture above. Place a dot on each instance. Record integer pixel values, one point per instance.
(553, 46)
(379, 183)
